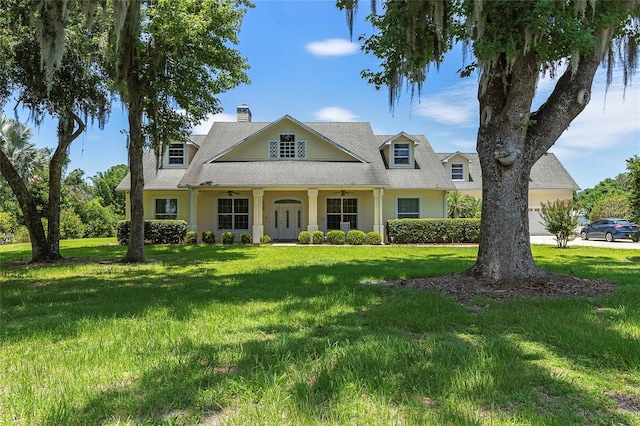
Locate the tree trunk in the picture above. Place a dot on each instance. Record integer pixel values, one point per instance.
(39, 246)
(135, 249)
(504, 251)
(66, 136)
(510, 141)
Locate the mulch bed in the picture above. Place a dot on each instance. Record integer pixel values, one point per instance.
(463, 288)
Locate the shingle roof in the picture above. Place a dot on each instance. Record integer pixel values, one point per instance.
(355, 138)
(547, 173)
(429, 175)
(158, 179)
(367, 169)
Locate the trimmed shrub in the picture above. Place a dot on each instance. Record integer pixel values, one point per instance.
(560, 218)
(421, 231)
(355, 237)
(336, 237)
(265, 239)
(373, 238)
(317, 237)
(156, 231)
(208, 237)
(228, 237)
(304, 237)
(245, 238)
(192, 237)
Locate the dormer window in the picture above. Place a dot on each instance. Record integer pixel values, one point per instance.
(457, 171)
(401, 154)
(287, 148)
(175, 155)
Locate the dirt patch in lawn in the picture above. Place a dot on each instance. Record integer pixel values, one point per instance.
(463, 289)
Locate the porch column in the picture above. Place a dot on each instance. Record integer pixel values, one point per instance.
(193, 209)
(377, 211)
(445, 212)
(313, 210)
(381, 215)
(258, 228)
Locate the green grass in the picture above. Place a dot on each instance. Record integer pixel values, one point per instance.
(266, 335)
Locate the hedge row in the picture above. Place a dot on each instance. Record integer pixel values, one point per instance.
(156, 231)
(338, 237)
(421, 231)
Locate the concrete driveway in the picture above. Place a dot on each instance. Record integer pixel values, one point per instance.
(617, 244)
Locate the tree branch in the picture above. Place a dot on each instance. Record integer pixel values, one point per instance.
(568, 99)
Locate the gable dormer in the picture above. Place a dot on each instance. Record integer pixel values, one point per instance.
(286, 139)
(457, 166)
(399, 151)
(178, 154)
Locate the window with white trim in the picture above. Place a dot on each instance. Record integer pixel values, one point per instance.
(233, 213)
(342, 210)
(166, 208)
(457, 171)
(287, 148)
(401, 154)
(408, 208)
(175, 154)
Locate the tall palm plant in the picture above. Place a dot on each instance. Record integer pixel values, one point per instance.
(459, 205)
(15, 137)
(23, 154)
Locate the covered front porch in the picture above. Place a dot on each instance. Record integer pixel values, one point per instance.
(282, 213)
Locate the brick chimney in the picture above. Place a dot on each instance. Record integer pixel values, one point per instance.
(244, 114)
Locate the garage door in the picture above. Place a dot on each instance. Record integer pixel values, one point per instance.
(535, 227)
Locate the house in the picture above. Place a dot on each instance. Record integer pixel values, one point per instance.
(549, 181)
(279, 178)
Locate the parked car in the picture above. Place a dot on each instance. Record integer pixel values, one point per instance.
(611, 229)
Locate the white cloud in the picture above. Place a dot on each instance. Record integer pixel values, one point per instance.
(204, 126)
(333, 47)
(335, 114)
(604, 124)
(455, 105)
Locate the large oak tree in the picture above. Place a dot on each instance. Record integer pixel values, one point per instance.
(513, 43)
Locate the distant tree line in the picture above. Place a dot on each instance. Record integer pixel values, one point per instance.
(613, 197)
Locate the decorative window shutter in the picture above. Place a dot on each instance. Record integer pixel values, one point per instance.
(301, 151)
(273, 150)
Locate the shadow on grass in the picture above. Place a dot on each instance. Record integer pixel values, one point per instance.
(181, 284)
(415, 353)
(319, 374)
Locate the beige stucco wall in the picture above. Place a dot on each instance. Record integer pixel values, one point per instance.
(257, 148)
(536, 198)
(431, 203)
(149, 198)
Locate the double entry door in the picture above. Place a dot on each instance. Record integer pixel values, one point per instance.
(287, 219)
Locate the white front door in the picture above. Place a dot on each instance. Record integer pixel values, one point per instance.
(287, 220)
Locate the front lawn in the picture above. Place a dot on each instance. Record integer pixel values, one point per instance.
(264, 335)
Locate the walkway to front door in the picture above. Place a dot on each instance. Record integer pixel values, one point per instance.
(287, 217)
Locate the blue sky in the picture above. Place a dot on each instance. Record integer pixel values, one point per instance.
(303, 64)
